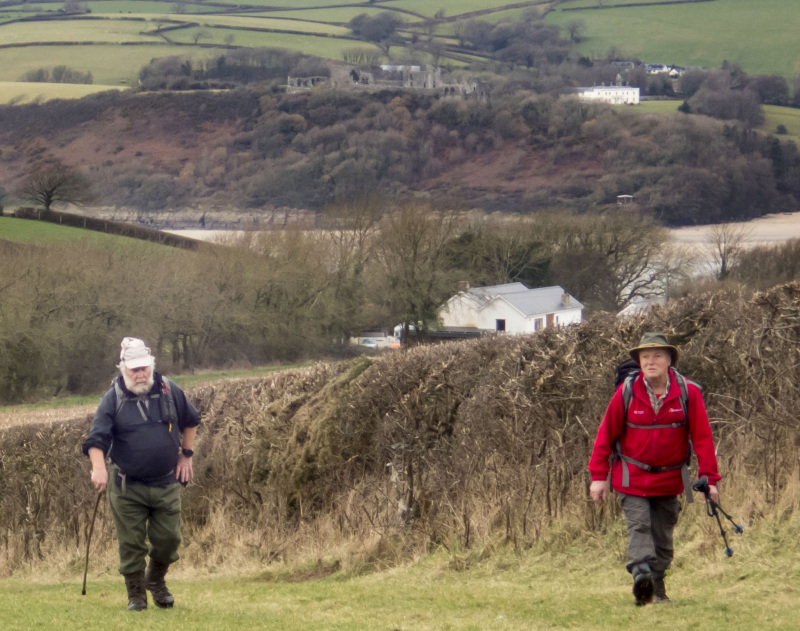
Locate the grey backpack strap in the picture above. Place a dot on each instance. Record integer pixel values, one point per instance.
(120, 397)
(683, 385)
(627, 395)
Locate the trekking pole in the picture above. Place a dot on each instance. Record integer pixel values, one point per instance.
(713, 510)
(89, 541)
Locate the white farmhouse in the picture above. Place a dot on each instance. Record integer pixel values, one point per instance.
(614, 94)
(511, 308)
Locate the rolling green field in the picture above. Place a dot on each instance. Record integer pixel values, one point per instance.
(43, 233)
(761, 37)
(114, 31)
(109, 64)
(19, 92)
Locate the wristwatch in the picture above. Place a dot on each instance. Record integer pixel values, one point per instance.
(187, 453)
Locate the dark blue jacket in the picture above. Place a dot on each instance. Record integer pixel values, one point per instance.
(139, 440)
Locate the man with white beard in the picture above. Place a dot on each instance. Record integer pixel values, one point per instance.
(145, 428)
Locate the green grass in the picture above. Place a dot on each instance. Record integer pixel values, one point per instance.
(43, 233)
(142, 6)
(451, 8)
(107, 31)
(109, 64)
(761, 37)
(658, 107)
(773, 116)
(19, 93)
(263, 23)
(583, 588)
(787, 116)
(339, 14)
(327, 47)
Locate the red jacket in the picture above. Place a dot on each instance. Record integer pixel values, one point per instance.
(661, 447)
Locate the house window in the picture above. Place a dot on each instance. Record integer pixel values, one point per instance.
(500, 325)
(538, 324)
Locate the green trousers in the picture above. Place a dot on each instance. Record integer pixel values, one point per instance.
(143, 513)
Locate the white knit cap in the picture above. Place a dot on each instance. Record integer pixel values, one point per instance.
(134, 353)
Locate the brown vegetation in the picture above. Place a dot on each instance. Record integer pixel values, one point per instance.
(456, 445)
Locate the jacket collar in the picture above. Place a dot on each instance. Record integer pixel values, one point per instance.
(640, 390)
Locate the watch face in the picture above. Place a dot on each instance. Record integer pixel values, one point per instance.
(187, 452)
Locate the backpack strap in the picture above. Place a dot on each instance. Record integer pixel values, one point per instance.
(169, 413)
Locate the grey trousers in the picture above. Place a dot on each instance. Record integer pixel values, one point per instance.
(651, 521)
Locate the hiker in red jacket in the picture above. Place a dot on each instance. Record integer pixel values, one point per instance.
(647, 454)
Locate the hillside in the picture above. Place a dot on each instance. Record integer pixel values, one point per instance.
(259, 151)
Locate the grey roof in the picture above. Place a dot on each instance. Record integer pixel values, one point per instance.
(528, 301)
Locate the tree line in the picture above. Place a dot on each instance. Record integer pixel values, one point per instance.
(284, 295)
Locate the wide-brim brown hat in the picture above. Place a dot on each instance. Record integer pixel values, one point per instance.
(654, 340)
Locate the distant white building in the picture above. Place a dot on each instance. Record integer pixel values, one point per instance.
(614, 94)
(511, 308)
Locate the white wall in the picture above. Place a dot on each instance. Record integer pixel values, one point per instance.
(568, 316)
(459, 311)
(499, 309)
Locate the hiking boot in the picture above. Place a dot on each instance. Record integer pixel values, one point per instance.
(137, 596)
(643, 588)
(154, 576)
(660, 591)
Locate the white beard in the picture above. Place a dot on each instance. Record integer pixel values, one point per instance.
(138, 389)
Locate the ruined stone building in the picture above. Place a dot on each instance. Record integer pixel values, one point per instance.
(373, 78)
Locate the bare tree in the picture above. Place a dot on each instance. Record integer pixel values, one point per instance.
(200, 34)
(411, 252)
(607, 261)
(576, 29)
(724, 246)
(58, 183)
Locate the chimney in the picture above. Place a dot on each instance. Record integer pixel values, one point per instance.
(463, 286)
(565, 299)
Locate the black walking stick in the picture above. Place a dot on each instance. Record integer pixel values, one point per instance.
(713, 510)
(89, 541)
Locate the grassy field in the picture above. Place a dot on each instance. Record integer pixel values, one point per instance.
(773, 116)
(18, 93)
(582, 588)
(786, 116)
(761, 37)
(114, 31)
(338, 14)
(109, 64)
(43, 233)
(311, 28)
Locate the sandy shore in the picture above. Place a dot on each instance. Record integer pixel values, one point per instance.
(768, 229)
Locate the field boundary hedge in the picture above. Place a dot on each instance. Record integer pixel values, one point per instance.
(109, 227)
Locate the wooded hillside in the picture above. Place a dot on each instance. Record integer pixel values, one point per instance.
(520, 152)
